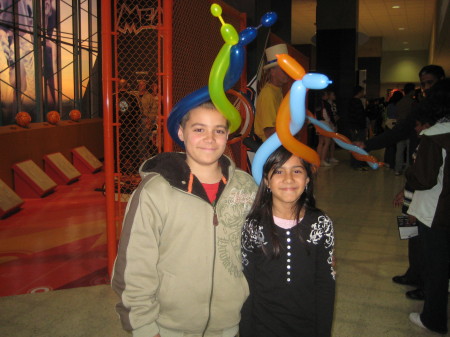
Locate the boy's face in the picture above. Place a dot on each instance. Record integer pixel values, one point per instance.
(205, 136)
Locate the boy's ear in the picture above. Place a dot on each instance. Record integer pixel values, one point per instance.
(180, 133)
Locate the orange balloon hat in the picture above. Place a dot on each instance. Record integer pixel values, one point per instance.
(53, 117)
(23, 119)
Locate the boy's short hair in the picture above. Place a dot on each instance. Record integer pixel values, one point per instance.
(207, 105)
(435, 70)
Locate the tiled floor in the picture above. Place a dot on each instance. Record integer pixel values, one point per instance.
(368, 249)
(369, 252)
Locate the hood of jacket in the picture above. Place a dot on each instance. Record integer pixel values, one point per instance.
(172, 166)
(439, 134)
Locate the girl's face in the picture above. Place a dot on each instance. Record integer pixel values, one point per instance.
(288, 182)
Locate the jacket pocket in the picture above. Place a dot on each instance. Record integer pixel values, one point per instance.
(182, 305)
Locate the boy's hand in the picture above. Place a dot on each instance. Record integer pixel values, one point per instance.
(411, 219)
(398, 199)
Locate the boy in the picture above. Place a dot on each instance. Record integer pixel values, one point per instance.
(178, 270)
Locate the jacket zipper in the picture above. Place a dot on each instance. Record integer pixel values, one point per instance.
(215, 223)
(213, 272)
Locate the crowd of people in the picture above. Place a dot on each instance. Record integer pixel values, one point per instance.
(204, 251)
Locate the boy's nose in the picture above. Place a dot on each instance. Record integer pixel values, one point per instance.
(209, 136)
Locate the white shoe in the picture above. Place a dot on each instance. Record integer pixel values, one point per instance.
(415, 318)
(333, 161)
(325, 164)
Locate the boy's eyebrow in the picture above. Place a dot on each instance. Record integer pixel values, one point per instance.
(202, 124)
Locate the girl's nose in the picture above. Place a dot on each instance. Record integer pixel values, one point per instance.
(288, 176)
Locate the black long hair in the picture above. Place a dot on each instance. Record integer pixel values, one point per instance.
(261, 211)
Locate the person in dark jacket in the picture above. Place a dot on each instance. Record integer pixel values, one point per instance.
(391, 112)
(429, 176)
(357, 122)
(428, 75)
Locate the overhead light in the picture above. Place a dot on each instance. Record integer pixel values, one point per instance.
(396, 6)
(405, 48)
(401, 28)
(405, 42)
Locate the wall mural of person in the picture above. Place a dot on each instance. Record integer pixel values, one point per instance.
(11, 87)
(49, 57)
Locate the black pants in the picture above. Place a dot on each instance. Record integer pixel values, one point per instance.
(435, 251)
(415, 258)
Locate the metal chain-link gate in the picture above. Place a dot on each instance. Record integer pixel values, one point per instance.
(136, 98)
(138, 117)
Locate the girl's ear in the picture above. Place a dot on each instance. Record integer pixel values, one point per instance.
(180, 133)
(307, 181)
(266, 181)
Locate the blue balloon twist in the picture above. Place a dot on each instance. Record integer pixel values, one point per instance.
(346, 146)
(237, 61)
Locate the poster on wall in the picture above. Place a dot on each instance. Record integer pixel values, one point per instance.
(50, 66)
(17, 75)
(44, 65)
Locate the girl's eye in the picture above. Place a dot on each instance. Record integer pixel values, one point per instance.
(278, 171)
(298, 171)
(220, 132)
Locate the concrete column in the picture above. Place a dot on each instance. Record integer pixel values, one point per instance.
(337, 45)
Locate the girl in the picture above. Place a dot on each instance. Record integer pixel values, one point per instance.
(287, 248)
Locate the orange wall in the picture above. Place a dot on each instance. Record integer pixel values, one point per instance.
(18, 144)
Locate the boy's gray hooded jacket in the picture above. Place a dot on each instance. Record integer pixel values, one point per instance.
(178, 271)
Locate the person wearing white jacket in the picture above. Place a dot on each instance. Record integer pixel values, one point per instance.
(429, 176)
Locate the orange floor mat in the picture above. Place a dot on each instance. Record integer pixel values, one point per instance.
(56, 242)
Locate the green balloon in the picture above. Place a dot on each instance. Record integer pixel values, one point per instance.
(229, 34)
(216, 10)
(216, 91)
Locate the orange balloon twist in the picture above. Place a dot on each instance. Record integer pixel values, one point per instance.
(339, 137)
(288, 140)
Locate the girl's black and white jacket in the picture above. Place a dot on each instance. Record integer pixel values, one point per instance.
(292, 295)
